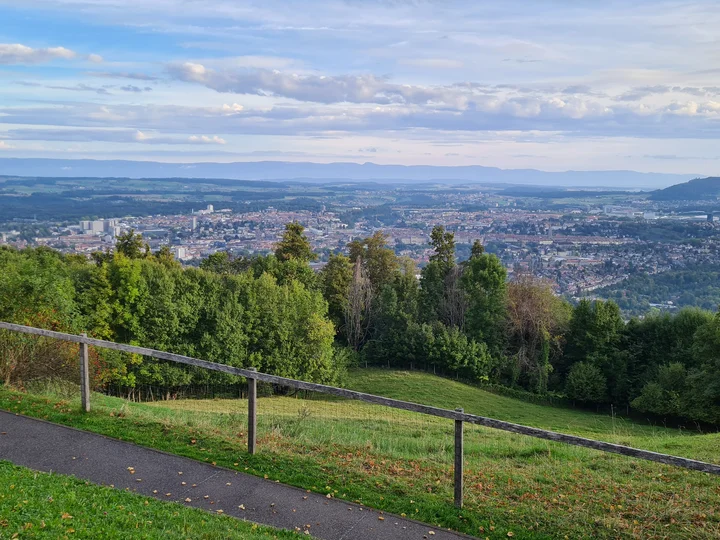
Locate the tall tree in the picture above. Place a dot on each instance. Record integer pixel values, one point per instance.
(441, 297)
(443, 242)
(379, 261)
(537, 320)
(335, 279)
(294, 244)
(484, 282)
(132, 245)
(359, 305)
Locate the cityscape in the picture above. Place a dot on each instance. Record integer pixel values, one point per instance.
(579, 247)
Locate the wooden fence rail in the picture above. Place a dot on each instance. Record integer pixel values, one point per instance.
(458, 415)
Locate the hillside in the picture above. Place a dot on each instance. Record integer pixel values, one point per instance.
(692, 286)
(695, 190)
(401, 462)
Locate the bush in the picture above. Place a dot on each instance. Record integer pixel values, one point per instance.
(586, 383)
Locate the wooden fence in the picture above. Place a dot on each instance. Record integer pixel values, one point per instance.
(458, 415)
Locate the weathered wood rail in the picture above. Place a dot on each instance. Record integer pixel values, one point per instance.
(458, 415)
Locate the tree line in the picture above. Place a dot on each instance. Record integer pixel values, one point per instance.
(273, 312)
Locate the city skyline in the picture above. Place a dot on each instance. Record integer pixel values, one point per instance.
(538, 85)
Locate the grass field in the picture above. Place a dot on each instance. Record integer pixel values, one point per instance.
(41, 505)
(401, 462)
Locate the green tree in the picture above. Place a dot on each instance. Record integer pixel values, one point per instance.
(165, 257)
(443, 244)
(379, 261)
(484, 281)
(335, 279)
(586, 383)
(537, 319)
(294, 244)
(132, 245)
(477, 249)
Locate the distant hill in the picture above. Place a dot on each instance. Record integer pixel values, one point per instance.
(694, 190)
(342, 171)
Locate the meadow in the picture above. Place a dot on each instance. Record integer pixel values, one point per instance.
(402, 462)
(41, 505)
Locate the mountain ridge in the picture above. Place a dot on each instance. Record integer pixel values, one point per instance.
(337, 171)
(693, 190)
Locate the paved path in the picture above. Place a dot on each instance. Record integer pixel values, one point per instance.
(45, 446)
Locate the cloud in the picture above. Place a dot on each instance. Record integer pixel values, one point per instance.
(5, 146)
(15, 53)
(316, 88)
(642, 92)
(234, 108)
(81, 87)
(95, 58)
(673, 157)
(207, 140)
(122, 75)
(368, 150)
(107, 135)
(135, 89)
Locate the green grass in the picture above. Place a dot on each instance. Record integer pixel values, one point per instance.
(401, 462)
(41, 505)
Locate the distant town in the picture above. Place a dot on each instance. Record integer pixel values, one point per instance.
(580, 245)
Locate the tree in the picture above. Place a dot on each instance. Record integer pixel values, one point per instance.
(132, 245)
(477, 249)
(441, 296)
(165, 257)
(380, 262)
(594, 335)
(294, 244)
(484, 282)
(586, 383)
(335, 279)
(358, 309)
(444, 245)
(537, 320)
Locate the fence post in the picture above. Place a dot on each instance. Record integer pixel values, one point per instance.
(252, 412)
(459, 461)
(84, 376)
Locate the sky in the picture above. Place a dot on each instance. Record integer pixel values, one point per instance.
(544, 84)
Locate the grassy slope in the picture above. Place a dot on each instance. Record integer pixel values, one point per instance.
(401, 462)
(448, 394)
(41, 505)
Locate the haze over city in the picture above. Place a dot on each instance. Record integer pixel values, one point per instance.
(543, 85)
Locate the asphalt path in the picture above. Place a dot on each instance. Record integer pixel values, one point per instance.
(49, 447)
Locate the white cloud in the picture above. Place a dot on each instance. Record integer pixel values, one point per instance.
(319, 88)
(5, 146)
(204, 139)
(95, 58)
(15, 53)
(234, 108)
